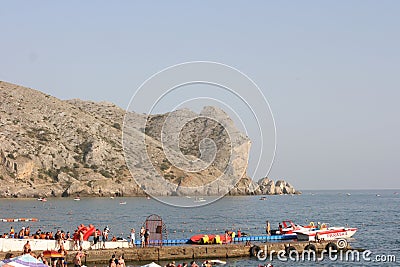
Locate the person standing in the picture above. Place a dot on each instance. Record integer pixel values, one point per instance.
(63, 253)
(21, 233)
(268, 228)
(133, 238)
(96, 238)
(27, 231)
(142, 239)
(147, 237)
(80, 240)
(57, 236)
(12, 232)
(105, 236)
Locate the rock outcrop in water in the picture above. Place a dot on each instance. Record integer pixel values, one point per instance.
(269, 187)
(51, 147)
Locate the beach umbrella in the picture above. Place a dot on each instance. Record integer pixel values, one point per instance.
(151, 265)
(22, 261)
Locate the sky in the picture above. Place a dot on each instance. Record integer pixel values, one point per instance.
(329, 69)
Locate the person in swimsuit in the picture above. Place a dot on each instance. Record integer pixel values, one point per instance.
(133, 238)
(27, 247)
(142, 240)
(78, 259)
(121, 261)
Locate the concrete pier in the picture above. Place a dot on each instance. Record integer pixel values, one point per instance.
(190, 251)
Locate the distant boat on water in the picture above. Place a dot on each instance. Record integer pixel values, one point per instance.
(77, 198)
(122, 203)
(348, 194)
(199, 199)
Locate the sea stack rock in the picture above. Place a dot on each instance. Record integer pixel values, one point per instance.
(266, 186)
(269, 187)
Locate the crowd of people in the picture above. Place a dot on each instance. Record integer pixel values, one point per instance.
(25, 232)
(61, 236)
(77, 236)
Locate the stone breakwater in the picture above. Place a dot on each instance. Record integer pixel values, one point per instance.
(184, 252)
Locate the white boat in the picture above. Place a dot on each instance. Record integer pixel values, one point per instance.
(217, 262)
(122, 203)
(200, 199)
(213, 262)
(330, 233)
(153, 264)
(77, 198)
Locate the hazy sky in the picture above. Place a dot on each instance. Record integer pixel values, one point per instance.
(329, 69)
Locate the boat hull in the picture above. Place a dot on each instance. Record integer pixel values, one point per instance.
(327, 234)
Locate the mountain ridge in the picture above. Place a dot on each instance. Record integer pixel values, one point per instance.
(53, 147)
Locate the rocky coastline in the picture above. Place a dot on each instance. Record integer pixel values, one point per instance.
(56, 148)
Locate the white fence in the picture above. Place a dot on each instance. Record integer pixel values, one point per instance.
(10, 244)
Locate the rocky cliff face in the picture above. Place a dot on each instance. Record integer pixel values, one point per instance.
(50, 147)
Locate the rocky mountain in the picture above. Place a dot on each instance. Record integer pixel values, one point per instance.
(51, 147)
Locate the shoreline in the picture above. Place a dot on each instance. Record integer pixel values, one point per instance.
(303, 192)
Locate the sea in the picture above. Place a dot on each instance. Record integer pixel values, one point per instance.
(376, 214)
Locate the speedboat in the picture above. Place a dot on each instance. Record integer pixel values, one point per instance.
(77, 198)
(325, 233)
(288, 227)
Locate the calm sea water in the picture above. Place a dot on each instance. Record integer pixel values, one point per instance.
(375, 213)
